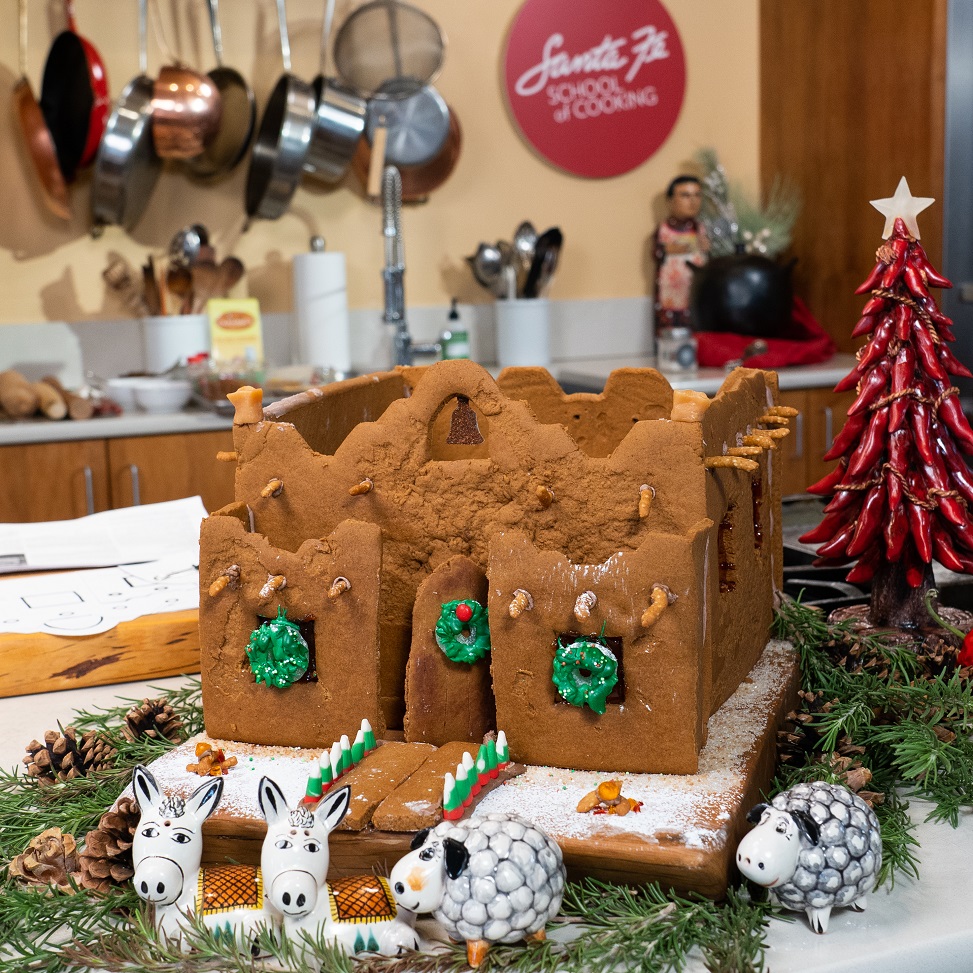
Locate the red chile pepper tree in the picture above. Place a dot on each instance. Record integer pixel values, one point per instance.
(902, 489)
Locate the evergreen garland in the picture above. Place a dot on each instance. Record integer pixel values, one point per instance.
(908, 712)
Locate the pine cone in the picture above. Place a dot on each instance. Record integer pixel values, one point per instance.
(153, 718)
(796, 739)
(64, 756)
(49, 859)
(107, 856)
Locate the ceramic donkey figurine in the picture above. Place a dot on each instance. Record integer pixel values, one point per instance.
(167, 851)
(358, 914)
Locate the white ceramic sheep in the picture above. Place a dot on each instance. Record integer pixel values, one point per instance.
(490, 879)
(817, 846)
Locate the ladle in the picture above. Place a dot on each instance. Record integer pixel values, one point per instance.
(185, 244)
(487, 264)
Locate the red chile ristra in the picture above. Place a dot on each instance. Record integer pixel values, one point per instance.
(869, 523)
(926, 348)
(872, 443)
(873, 280)
(896, 531)
(933, 277)
(902, 490)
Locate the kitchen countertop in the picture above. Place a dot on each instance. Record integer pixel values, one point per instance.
(591, 374)
(111, 427)
(923, 925)
(588, 374)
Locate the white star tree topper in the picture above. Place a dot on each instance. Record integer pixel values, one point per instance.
(903, 204)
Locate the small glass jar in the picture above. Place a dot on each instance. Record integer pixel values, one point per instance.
(676, 350)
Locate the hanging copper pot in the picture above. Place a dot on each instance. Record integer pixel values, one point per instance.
(37, 137)
(186, 112)
(420, 180)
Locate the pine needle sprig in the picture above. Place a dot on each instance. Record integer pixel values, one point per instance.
(141, 950)
(899, 842)
(914, 721)
(187, 700)
(75, 807)
(35, 927)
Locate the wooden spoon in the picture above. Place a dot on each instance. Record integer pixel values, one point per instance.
(179, 283)
(231, 273)
(206, 282)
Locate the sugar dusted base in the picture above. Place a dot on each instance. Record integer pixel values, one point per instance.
(683, 835)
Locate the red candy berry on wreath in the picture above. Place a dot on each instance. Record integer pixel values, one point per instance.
(464, 612)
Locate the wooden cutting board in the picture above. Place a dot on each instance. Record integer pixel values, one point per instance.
(148, 647)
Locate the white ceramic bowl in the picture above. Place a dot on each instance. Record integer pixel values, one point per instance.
(122, 391)
(162, 394)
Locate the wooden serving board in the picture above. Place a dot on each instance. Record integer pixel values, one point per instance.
(148, 647)
(684, 836)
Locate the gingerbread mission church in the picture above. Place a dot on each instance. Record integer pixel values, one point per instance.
(613, 557)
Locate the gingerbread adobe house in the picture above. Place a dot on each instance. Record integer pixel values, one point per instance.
(641, 519)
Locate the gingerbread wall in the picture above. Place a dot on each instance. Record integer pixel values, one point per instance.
(344, 689)
(658, 724)
(432, 500)
(749, 532)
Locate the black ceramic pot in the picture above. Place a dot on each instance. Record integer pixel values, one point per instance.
(744, 293)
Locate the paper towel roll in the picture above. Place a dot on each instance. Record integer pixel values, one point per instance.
(322, 331)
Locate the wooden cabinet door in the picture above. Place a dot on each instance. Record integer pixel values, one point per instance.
(794, 448)
(53, 481)
(826, 415)
(151, 469)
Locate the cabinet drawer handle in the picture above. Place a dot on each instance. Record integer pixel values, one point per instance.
(798, 449)
(89, 490)
(133, 472)
(828, 427)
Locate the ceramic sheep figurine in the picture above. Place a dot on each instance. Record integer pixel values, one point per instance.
(817, 846)
(490, 879)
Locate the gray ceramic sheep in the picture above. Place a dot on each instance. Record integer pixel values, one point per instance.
(490, 879)
(815, 847)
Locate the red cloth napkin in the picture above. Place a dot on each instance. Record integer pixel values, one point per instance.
(803, 342)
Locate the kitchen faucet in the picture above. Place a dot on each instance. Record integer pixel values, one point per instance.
(394, 272)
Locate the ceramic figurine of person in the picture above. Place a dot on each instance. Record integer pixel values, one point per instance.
(680, 240)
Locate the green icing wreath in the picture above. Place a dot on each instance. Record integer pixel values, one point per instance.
(463, 631)
(585, 672)
(278, 653)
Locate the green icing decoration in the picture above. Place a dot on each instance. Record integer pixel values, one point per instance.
(278, 654)
(463, 640)
(585, 672)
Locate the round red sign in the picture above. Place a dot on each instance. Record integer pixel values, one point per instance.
(595, 87)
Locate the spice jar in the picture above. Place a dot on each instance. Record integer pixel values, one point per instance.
(676, 350)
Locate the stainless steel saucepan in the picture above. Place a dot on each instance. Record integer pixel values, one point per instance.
(127, 167)
(339, 117)
(283, 139)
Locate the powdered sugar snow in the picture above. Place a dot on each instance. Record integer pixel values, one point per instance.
(692, 809)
